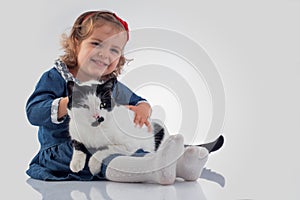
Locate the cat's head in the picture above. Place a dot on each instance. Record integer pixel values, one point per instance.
(90, 101)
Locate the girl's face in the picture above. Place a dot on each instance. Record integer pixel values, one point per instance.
(99, 54)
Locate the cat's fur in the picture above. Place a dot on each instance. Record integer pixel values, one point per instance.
(100, 127)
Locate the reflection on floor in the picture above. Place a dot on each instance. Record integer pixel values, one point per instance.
(106, 190)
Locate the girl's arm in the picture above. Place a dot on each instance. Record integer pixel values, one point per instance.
(124, 96)
(45, 99)
(142, 109)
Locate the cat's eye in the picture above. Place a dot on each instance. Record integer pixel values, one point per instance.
(84, 106)
(102, 105)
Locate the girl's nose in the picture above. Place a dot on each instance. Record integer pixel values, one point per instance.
(103, 53)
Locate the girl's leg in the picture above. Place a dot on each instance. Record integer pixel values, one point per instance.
(158, 167)
(191, 163)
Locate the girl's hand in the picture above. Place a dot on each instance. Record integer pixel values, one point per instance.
(62, 107)
(142, 113)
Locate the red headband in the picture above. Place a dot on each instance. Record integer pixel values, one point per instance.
(125, 25)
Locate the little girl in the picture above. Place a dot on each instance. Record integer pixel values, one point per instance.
(94, 50)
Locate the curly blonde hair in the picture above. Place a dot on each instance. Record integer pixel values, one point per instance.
(81, 30)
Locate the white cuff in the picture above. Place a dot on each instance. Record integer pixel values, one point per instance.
(54, 112)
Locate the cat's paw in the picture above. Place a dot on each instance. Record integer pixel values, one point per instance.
(94, 165)
(95, 161)
(78, 161)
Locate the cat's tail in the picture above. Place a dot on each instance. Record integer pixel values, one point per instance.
(212, 146)
(161, 133)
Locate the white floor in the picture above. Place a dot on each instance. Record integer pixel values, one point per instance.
(226, 176)
(111, 190)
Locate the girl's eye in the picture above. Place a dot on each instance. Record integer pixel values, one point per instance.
(96, 43)
(116, 51)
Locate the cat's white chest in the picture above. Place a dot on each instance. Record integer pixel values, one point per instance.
(116, 129)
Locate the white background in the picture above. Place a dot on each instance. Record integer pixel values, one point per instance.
(254, 44)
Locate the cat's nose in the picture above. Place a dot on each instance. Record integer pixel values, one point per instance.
(96, 116)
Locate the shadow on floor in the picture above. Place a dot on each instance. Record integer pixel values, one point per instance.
(106, 190)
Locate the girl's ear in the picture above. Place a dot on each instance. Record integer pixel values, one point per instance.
(76, 43)
(76, 46)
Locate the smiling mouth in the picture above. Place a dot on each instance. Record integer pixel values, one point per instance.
(100, 63)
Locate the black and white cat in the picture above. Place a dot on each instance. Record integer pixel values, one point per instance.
(100, 127)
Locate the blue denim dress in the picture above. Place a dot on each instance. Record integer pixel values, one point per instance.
(55, 153)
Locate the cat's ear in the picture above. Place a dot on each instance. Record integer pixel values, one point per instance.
(105, 87)
(108, 85)
(70, 86)
(112, 81)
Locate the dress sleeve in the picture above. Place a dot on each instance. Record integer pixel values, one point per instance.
(42, 105)
(124, 96)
